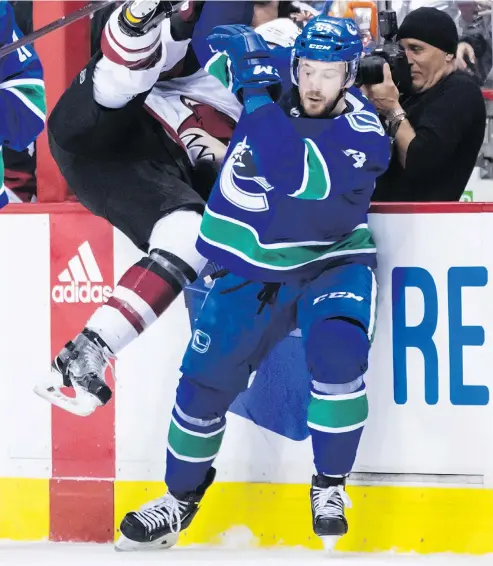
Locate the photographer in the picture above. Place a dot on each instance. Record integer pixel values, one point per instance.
(439, 127)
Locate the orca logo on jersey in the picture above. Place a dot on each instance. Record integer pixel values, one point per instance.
(239, 182)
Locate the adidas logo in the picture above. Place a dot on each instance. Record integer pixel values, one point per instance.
(81, 281)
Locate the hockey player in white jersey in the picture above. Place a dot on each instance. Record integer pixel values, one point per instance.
(139, 136)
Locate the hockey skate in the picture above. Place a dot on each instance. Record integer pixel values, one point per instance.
(139, 16)
(81, 364)
(158, 523)
(329, 499)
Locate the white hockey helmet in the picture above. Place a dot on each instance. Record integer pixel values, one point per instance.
(281, 32)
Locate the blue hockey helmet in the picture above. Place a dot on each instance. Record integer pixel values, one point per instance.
(325, 38)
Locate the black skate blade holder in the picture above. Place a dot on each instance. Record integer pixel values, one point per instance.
(164, 10)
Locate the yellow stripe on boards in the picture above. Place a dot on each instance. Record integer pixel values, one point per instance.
(24, 509)
(383, 518)
(420, 519)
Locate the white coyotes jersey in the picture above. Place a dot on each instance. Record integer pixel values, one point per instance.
(197, 112)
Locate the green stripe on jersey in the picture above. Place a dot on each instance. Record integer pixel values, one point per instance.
(188, 445)
(316, 178)
(338, 413)
(35, 93)
(219, 67)
(243, 241)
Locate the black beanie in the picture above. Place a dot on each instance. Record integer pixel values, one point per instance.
(431, 26)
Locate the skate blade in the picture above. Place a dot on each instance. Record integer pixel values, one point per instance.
(330, 542)
(82, 405)
(124, 544)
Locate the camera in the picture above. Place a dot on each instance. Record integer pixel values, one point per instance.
(370, 71)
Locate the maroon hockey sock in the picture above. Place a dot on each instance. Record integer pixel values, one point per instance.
(144, 292)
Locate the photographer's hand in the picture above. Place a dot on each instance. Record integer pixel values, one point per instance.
(465, 52)
(385, 97)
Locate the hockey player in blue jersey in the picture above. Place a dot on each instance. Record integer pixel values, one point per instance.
(22, 93)
(287, 218)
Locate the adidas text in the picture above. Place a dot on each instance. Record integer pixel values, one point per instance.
(82, 281)
(81, 293)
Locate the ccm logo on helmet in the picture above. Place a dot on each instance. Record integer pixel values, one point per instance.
(316, 46)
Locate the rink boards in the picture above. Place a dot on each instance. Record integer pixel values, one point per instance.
(424, 477)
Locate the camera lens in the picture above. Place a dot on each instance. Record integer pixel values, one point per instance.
(370, 71)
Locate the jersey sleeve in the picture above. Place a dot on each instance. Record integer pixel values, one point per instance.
(218, 14)
(348, 156)
(22, 91)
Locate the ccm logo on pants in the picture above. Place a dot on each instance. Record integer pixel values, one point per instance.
(338, 295)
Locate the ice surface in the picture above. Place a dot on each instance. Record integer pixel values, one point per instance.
(15, 554)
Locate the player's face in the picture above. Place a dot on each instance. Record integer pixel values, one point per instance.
(319, 84)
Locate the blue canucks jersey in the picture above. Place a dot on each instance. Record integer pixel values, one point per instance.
(22, 92)
(293, 193)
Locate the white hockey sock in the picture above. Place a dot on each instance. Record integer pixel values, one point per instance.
(147, 289)
(129, 66)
